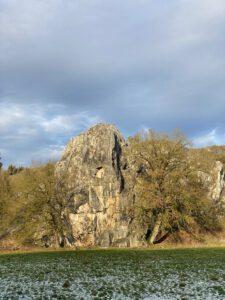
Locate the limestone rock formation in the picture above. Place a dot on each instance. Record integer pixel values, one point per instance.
(99, 179)
(214, 180)
(217, 183)
(95, 172)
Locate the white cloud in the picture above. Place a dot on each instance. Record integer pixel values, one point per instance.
(28, 132)
(67, 124)
(48, 152)
(211, 138)
(30, 119)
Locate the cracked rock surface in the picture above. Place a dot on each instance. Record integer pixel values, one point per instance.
(95, 170)
(99, 177)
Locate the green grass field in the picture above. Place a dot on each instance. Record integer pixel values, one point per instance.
(114, 274)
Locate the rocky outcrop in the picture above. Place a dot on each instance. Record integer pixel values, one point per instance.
(215, 181)
(217, 187)
(95, 170)
(99, 178)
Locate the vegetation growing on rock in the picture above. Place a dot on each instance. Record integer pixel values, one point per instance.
(106, 191)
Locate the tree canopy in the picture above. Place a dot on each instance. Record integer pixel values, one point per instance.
(170, 194)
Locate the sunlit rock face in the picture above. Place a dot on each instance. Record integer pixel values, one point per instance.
(99, 180)
(217, 183)
(214, 181)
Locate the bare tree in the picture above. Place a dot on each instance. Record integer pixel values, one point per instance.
(170, 195)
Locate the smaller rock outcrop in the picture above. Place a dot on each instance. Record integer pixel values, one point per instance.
(217, 189)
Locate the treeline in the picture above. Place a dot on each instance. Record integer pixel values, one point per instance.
(171, 193)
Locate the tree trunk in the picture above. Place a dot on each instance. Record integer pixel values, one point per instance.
(166, 235)
(155, 229)
(163, 238)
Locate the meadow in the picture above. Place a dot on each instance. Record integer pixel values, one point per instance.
(114, 274)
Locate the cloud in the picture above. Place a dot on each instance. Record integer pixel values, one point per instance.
(157, 64)
(67, 124)
(211, 138)
(30, 132)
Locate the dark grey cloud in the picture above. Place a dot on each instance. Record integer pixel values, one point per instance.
(68, 64)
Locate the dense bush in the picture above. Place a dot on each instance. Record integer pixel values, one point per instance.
(171, 196)
(25, 202)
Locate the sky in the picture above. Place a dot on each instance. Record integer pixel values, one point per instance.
(66, 65)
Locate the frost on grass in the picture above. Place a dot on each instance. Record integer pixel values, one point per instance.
(117, 274)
